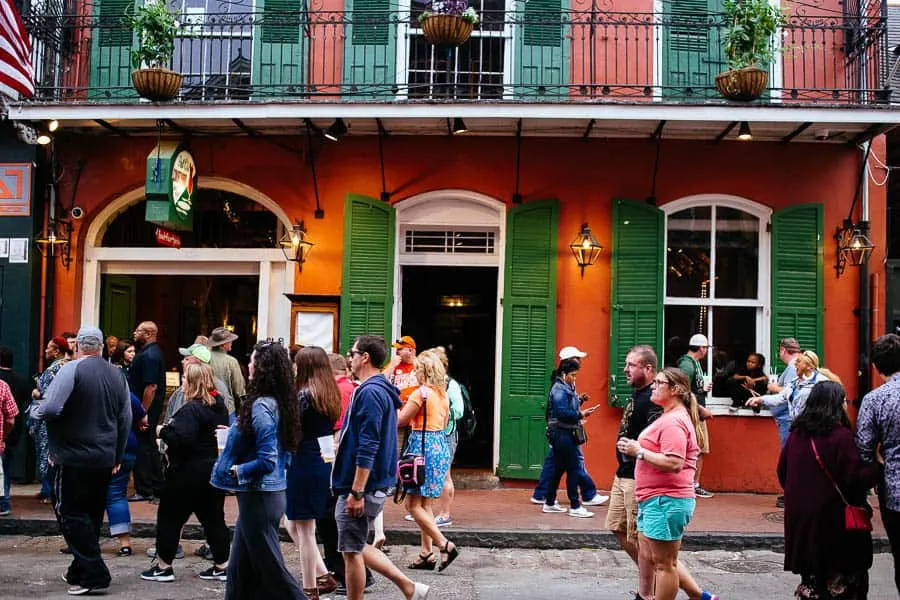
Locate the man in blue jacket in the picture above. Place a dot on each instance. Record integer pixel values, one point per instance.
(365, 469)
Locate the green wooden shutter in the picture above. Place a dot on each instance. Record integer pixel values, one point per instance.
(111, 44)
(367, 279)
(280, 48)
(798, 262)
(542, 49)
(370, 48)
(692, 47)
(638, 265)
(529, 336)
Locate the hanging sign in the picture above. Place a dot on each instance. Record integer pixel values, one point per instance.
(164, 237)
(170, 186)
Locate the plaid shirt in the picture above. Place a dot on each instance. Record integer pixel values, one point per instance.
(8, 412)
(879, 423)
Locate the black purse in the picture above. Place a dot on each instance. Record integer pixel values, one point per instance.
(411, 467)
(579, 434)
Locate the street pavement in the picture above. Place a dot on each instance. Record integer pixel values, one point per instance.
(32, 566)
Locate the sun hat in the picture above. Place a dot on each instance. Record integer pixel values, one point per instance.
(221, 335)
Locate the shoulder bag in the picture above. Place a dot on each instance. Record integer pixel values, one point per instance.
(856, 518)
(411, 467)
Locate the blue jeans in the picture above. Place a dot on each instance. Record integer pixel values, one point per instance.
(8, 455)
(588, 488)
(117, 498)
(782, 416)
(566, 459)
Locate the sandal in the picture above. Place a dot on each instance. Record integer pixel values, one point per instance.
(448, 555)
(423, 563)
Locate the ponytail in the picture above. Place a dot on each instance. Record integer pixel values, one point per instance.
(681, 387)
(566, 366)
(694, 411)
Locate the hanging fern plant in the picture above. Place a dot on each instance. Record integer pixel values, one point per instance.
(750, 28)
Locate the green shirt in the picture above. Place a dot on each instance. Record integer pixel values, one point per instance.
(694, 371)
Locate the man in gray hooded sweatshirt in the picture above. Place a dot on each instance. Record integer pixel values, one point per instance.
(88, 414)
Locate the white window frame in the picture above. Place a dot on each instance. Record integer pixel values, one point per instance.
(719, 406)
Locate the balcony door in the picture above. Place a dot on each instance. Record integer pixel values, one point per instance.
(692, 48)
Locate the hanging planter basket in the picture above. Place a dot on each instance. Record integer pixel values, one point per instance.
(742, 85)
(446, 30)
(157, 84)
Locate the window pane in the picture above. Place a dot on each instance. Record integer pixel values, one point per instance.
(687, 256)
(737, 254)
(734, 337)
(681, 322)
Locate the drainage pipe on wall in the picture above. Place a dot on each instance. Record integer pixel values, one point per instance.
(863, 373)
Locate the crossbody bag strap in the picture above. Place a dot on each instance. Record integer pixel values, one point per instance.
(424, 393)
(827, 474)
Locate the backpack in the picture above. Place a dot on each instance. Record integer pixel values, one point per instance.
(465, 425)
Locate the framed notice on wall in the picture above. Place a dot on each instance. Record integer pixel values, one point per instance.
(15, 190)
(315, 324)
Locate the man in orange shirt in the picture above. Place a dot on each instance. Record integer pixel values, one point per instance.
(402, 370)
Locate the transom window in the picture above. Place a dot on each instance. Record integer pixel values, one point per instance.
(717, 264)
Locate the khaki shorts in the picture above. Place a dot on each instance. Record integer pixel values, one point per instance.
(621, 517)
(704, 449)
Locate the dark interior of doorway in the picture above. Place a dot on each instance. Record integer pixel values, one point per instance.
(183, 307)
(456, 307)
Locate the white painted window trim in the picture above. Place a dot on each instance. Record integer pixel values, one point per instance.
(719, 406)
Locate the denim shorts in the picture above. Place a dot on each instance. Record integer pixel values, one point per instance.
(353, 532)
(664, 518)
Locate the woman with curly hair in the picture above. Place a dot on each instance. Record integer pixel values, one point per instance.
(426, 413)
(309, 478)
(254, 466)
(55, 356)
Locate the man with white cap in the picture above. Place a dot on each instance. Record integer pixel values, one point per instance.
(691, 364)
(586, 485)
(88, 414)
(224, 366)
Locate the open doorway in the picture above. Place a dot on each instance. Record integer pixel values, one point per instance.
(183, 307)
(456, 307)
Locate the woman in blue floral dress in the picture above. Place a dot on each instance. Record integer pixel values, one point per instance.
(55, 355)
(426, 414)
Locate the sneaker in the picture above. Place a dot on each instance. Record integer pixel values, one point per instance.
(595, 501)
(580, 512)
(79, 590)
(701, 493)
(535, 500)
(555, 508)
(708, 596)
(421, 592)
(179, 552)
(341, 589)
(779, 502)
(443, 521)
(139, 498)
(213, 573)
(4, 513)
(154, 573)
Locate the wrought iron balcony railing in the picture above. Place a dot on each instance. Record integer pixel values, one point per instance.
(536, 54)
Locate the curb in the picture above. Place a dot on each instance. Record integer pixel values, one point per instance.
(523, 539)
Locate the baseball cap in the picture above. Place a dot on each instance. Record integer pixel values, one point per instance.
(198, 351)
(89, 336)
(405, 342)
(698, 339)
(571, 352)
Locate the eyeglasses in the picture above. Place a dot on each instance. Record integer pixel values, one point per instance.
(660, 382)
(351, 353)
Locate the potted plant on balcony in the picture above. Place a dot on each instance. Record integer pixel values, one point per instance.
(448, 22)
(750, 27)
(155, 27)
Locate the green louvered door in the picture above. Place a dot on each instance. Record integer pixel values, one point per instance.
(529, 336)
(542, 50)
(637, 268)
(692, 48)
(798, 261)
(367, 279)
(280, 49)
(370, 47)
(111, 44)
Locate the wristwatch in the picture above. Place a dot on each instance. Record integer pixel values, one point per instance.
(358, 494)
(640, 455)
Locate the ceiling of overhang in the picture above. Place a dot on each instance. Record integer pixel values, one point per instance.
(530, 127)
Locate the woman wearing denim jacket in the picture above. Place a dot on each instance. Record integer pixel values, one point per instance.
(564, 414)
(254, 466)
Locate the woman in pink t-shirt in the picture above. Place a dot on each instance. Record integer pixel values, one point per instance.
(666, 454)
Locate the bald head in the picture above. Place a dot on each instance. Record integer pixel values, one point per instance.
(144, 334)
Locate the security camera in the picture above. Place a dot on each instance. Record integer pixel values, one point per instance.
(822, 134)
(77, 213)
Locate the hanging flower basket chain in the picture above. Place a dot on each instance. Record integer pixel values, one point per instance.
(448, 22)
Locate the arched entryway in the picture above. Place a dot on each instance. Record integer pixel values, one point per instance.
(229, 270)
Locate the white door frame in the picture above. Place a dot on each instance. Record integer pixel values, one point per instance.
(276, 274)
(458, 210)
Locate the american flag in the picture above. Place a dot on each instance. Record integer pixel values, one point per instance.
(16, 70)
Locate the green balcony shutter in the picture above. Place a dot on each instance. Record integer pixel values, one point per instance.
(529, 336)
(111, 44)
(280, 49)
(367, 279)
(798, 262)
(692, 47)
(370, 48)
(638, 265)
(542, 49)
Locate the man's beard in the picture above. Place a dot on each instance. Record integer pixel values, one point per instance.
(138, 344)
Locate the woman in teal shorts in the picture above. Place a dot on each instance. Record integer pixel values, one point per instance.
(666, 454)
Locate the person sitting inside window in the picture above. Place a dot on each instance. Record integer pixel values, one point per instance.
(748, 381)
